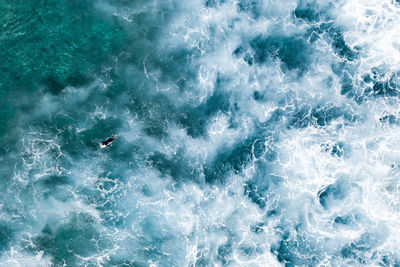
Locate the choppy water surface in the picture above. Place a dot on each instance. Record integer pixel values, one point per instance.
(250, 133)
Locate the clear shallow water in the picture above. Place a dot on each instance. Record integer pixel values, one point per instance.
(251, 133)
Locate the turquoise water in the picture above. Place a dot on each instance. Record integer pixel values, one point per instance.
(250, 133)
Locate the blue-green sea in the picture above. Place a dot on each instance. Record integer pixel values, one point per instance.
(247, 133)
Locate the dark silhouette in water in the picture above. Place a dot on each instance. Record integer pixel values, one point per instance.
(108, 142)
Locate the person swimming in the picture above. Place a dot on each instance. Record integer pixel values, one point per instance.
(108, 142)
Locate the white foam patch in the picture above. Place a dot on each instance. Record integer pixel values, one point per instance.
(14, 258)
(372, 26)
(202, 219)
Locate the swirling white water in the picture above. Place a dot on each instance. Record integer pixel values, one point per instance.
(251, 133)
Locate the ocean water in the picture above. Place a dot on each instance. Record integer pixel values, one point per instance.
(250, 133)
